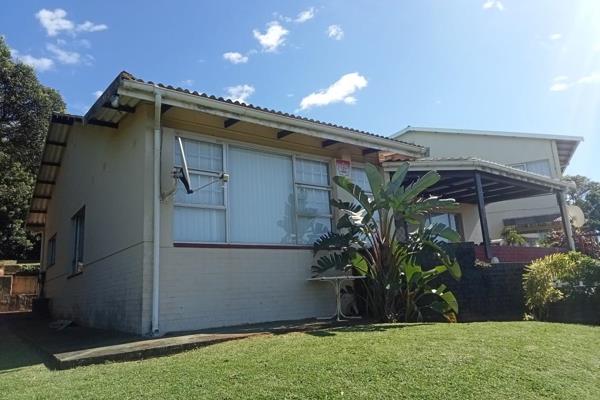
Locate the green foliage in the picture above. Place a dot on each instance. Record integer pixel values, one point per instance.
(586, 195)
(558, 276)
(366, 242)
(25, 109)
(585, 241)
(512, 237)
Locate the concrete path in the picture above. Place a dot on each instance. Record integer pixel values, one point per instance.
(76, 346)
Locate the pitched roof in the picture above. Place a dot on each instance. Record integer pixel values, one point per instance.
(105, 112)
(100, 112)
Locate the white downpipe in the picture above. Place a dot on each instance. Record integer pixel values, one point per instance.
(156, 214)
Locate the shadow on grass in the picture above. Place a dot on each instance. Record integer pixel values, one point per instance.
(363, 327)
(15, 353)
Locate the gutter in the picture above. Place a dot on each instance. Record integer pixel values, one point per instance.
(173, 97)
(156, 214)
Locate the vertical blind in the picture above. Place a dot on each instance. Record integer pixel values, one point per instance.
(261, 193)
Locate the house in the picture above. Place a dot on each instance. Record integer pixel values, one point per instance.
(165, 210)
(127, 248)
(543, 155)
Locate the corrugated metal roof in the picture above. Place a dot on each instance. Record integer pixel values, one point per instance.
(54, 149)
(473, 163)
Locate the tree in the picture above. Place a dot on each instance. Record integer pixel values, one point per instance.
(25, 110)
(586, 195)
(366, 242)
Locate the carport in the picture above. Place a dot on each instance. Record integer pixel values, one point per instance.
(481, 182)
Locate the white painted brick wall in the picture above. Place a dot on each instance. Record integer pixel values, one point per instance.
(108, 294)
(204, 288)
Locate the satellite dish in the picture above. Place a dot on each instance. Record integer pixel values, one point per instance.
(183, 173)
(576, 216)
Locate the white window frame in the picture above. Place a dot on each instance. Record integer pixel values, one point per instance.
(215, 175)
(363, 167)
(298, 184)
(225, 143)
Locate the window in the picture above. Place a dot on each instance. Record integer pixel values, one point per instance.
(261, 193)
(540, 167)
(78, 239)
(359, 177)
(312, 199)
(453, 221)
(51, 251)
(200, 216)
(270, 198)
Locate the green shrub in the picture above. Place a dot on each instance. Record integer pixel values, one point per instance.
(557, 277)
(513, 238)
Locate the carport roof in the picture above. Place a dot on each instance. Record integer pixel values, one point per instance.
(499, 182)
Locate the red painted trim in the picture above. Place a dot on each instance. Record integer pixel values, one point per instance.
(242, 246)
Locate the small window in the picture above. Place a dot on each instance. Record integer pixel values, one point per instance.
(51, 251)
(313, 213)
(451, 220)
(78, 239)
(200, 216)
(540, 167)
(359, 177)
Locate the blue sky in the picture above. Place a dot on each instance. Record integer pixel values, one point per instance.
(531, 66)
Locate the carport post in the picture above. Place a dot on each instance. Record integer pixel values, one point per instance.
(485, 232)
(564, 214)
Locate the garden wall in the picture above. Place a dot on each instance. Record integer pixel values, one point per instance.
(516, 254)
(486, 293)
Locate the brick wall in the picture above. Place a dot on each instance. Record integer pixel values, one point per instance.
(512, 254)
(205, 288)
(492, 293)
(108, 294)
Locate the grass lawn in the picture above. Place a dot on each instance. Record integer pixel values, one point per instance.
(524, 360)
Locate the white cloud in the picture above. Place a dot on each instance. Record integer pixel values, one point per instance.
(273, 38)
(497, 4)
(235, 58)
(340, 91)
(97, 93)
(64, 56)
(591, 79)
(239, 93)
(335, 32)
(555, 36)
(56, 21)
(187, 82)
(559, 87)
(89, 26)
(40, 64)
(305, 15)
(562, 83)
